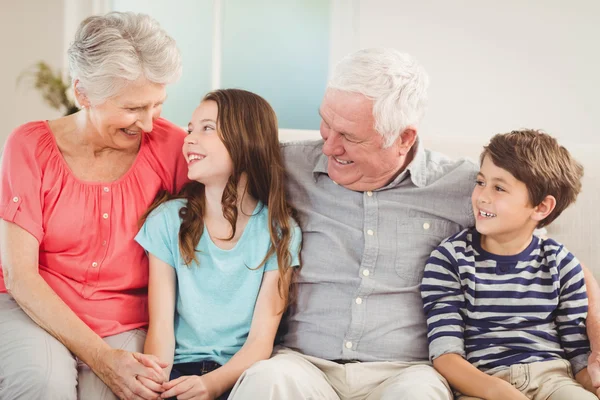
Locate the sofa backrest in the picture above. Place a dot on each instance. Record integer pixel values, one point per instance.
(578, 228)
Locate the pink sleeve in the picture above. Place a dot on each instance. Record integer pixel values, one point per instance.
(20, 193)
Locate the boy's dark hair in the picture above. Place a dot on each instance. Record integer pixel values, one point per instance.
(545, 167)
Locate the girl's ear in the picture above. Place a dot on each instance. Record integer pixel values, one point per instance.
(542, 210)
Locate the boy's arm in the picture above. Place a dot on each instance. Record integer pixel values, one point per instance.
(593, 325)
(443, 299)
(470, 381)
(572, 311)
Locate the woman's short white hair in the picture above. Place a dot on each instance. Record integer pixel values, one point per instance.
(395, 82)
(113, 49)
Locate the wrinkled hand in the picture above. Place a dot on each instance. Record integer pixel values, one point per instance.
(594, 368)
(190, 387)
(120, 369)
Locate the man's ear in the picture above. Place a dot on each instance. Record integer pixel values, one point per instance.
(81, 97)
(406, 140)
(544, 209)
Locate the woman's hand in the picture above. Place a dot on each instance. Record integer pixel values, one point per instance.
(188, 387)
(120, 370)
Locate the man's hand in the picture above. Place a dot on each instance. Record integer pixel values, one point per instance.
(594, 368)
(122, 370)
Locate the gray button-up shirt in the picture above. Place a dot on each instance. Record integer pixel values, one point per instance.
(364, 253)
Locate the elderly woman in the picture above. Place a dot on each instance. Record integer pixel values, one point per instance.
(73, 296)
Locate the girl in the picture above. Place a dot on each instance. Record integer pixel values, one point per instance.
(221, 251)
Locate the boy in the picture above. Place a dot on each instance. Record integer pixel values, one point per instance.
(506, 309)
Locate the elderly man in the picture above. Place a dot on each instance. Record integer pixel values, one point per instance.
(373, 204)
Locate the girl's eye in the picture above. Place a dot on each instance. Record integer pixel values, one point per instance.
(479, 183)
(189, 131)
(499, 189)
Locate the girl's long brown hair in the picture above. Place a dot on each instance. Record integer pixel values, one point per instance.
(247, 126)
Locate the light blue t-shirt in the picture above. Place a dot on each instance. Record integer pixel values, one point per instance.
(216, 299)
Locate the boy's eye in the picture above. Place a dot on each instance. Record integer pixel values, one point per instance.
(499, 189)
(189, 131)
(479, 182)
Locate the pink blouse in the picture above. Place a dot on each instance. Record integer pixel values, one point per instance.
(86, 229)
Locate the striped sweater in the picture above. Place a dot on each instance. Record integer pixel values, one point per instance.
(497, 311)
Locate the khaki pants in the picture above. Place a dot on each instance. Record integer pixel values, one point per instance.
(545, 380)
(34, 365)
(290, 375)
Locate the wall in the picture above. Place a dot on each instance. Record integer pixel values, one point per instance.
(498, 65)
(494, 65)
(30, 31)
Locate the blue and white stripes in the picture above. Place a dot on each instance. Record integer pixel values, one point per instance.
(497, 311)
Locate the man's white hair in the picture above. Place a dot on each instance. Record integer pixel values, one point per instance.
(111, 50)
(394, 81)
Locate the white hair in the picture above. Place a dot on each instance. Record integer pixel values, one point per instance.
(112, 50)
(394, 81)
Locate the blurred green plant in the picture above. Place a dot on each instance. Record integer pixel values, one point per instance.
(53, 88)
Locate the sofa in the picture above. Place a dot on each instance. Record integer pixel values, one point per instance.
(578, 228)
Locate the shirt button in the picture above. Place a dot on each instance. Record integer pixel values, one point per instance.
(106, 189)
(105, 216)
(358, 300)
(348, 345)
(426, 225)
(94, 264)
(369, 193)
(370, 232)
(366, 272)
(15, 199)
(104, 243)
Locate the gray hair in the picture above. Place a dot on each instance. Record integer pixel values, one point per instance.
(113, 49)
(395, 82)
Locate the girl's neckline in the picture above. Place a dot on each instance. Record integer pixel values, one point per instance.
(95, 183)
(211, 243)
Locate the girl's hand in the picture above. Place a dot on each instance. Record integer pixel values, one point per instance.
(188, 387)
(119, 370)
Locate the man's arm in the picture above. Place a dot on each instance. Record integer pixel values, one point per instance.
(593, 325)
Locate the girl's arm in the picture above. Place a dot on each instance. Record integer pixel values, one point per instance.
(160, 340)
(258, 346)
(20, 263)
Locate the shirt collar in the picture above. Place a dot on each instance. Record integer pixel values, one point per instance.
(417, 169)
